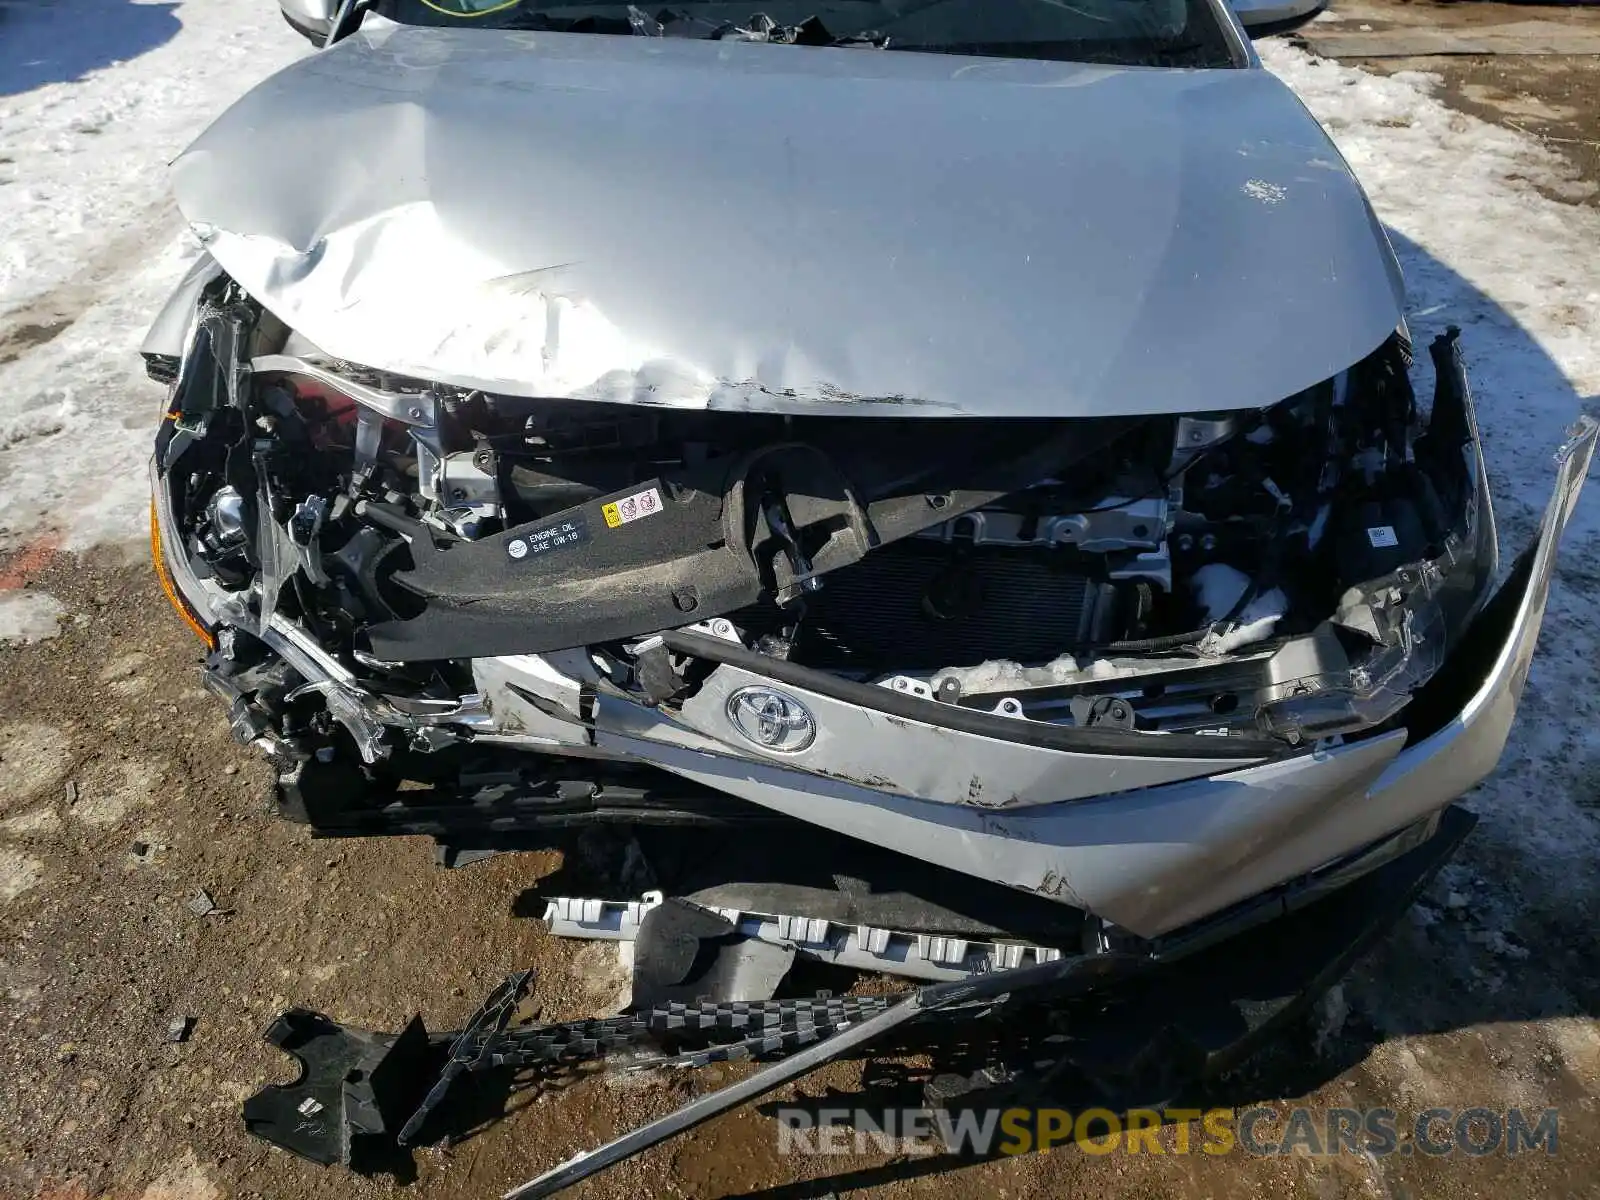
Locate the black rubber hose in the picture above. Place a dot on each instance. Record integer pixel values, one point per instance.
(1171, 641)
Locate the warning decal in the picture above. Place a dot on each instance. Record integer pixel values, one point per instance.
(641, 504)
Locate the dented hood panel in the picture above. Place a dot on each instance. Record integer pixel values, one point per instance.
(727, 225)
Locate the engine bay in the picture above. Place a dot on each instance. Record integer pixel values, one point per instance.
(1295, 570)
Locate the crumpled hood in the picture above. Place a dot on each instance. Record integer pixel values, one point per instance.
(729, 225)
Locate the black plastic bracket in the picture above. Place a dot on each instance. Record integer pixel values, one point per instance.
(354, 1092)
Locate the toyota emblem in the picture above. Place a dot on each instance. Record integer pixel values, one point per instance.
(772, 720)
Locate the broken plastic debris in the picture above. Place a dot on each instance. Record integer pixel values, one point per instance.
(858, 946)
(1002, 674)
(202, 905)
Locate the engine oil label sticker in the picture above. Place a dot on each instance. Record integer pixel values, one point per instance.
(641, 504)
(557, 535)
(1382, 537)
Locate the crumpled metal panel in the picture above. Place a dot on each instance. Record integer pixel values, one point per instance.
(891, 755)
(732, 226)
(1153, 859)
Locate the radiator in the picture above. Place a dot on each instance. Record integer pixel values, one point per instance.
(910, 606)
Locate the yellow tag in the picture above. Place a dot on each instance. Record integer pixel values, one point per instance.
(613, 517)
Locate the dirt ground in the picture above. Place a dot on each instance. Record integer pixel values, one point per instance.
(121, 794)
(1555, 97)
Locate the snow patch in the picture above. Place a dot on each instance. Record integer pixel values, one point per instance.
(1218, 588)
(1497, 943)
(94, 242)
(1332, 1011)
(78, 415)
(1484, 246)
(87, 156)
(1255, 624)
(1002, 674)
(28, 616)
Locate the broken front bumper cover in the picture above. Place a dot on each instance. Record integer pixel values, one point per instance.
(361, 1097)
(1148, 832)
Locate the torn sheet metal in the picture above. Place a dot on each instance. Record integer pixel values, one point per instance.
(170, 330)
(733, 226)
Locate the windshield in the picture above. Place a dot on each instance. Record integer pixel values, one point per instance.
(1183, 33)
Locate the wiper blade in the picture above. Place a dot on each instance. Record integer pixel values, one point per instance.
(810, 32)
(643, 24)
(759, 28)
(867, 37)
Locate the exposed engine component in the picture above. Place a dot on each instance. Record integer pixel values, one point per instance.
(782, 521)
(1217, 574)
(221, 537)
(1114, 523)
(918, 606)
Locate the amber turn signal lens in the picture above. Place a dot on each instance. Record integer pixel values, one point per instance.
(170, 588)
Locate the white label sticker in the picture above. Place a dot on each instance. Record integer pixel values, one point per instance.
(640, 504)
(1382, 536)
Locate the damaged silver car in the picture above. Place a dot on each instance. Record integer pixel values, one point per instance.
(972, 441)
